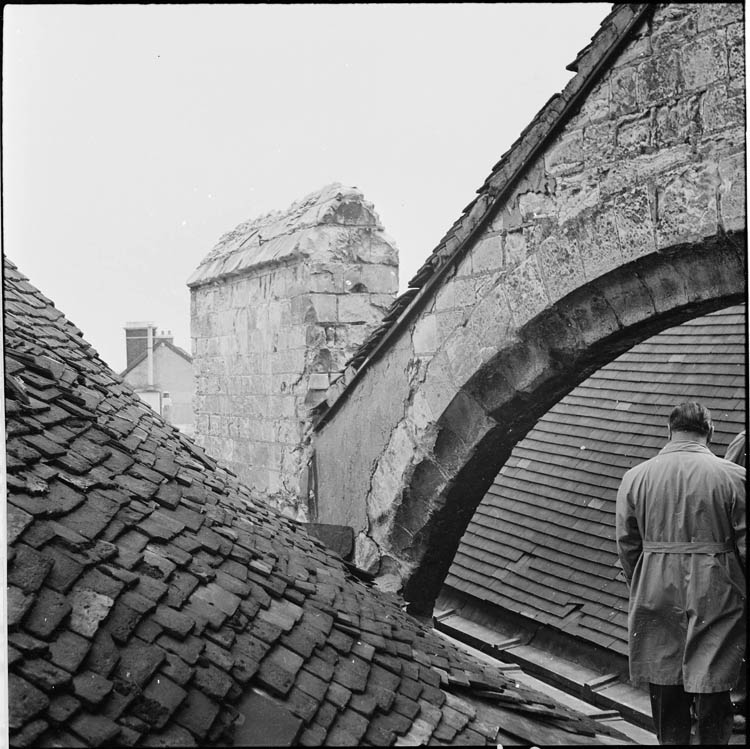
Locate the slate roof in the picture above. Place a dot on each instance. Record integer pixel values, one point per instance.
(153, 600)
(614, 30)
(541, 542)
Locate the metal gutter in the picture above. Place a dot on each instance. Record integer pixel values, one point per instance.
(603, 691)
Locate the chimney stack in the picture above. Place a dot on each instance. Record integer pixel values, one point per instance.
(139, 340)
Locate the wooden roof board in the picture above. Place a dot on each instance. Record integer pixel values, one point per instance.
(562, 514)
(587, 463)
(550, 533)
(542, 493)
(639, 402)
(495, 543)
(574, 465)
(517, 496)
(599, 562)
(561, 577)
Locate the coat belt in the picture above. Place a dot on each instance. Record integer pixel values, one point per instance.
(688, 547)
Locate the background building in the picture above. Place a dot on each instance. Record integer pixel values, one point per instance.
(161, 373)
(277, 308)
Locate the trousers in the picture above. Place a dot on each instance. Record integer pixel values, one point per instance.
(671, 708)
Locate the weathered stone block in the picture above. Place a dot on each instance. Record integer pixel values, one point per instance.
(515, 250)
(658, 78)
(678, 122)
(491, 318)
(424, 335)
(636, 50)
(687, 208)
(732, 196)
(635, 228)
(736, 56)
(370, 279)
(561, 265)
(316, 381)
(448, 321)
(598, 242)
(324, 308)
(703, 60)
(718, 110)
(487, 254)
(634, 135)
(536, 205)
(354, 308)
(596, 105)
(598, 143)
(526, 291)
(623, 86)
(575, 194)
(673, 22)
(716, 15)
(445, 298)
(632, 173)
(565, 154)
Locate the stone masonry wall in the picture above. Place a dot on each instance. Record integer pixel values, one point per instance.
(267, 340)
(625, 204)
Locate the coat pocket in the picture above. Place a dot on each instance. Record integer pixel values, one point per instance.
(733, 572)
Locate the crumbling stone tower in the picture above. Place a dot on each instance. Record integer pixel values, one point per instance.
(277, 308)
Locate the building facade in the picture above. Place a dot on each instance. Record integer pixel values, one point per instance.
(277, 308)
(161, 373)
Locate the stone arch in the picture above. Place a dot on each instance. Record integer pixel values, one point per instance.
(555, 351)
(619, 211)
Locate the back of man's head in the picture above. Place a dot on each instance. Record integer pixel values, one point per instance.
(691, 417)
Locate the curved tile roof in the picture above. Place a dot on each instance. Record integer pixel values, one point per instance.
(153, 600)
(546, 549)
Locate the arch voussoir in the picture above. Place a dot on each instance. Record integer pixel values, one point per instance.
(550, 355)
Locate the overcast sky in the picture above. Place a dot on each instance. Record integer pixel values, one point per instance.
(134, 136)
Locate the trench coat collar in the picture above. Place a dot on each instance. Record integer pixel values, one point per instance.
(688, 446)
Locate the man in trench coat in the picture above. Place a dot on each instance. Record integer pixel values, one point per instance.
(680, 526)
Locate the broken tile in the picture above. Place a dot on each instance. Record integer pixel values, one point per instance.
(88, 610)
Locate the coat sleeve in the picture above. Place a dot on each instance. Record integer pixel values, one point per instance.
(739, 520)
(736, 452)
(629, 541)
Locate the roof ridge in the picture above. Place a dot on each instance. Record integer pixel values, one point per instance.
(249, 241)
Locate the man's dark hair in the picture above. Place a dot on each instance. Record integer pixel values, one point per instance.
(690, 417)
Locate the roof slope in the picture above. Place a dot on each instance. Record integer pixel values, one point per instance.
(153, 599)
(542, 540)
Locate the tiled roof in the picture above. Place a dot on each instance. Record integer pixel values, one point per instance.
(154, 600)
(542, 540)
(588, 65)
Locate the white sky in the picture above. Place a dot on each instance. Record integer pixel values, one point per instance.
(135, 135)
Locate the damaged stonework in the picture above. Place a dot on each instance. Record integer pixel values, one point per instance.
(277, 307)
(596, 230)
